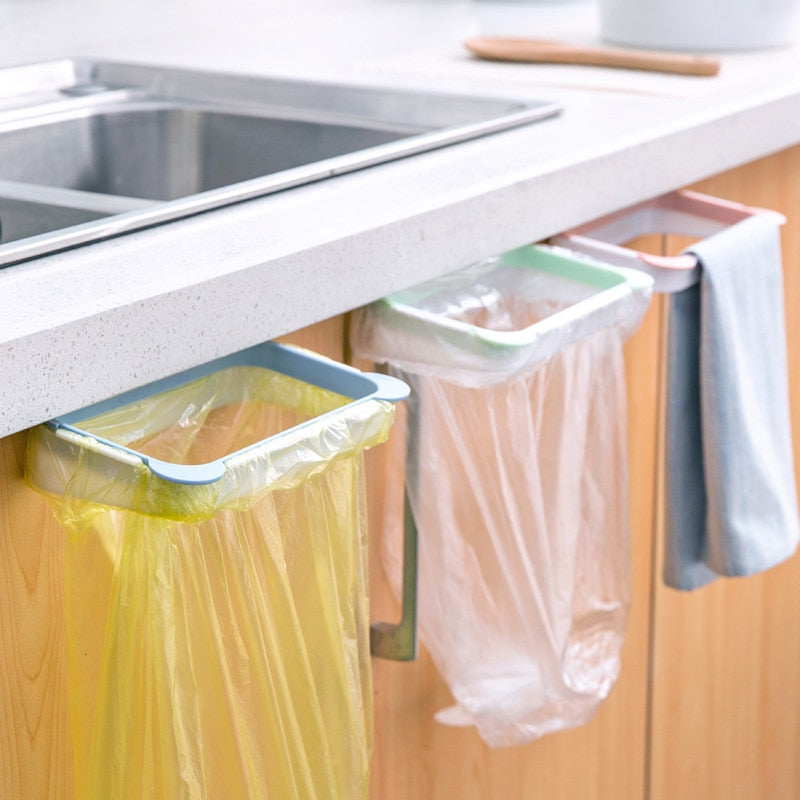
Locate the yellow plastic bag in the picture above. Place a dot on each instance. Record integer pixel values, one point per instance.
(218, 634)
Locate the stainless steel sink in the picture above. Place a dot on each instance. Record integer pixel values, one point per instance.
(90, 149)
(164, 151)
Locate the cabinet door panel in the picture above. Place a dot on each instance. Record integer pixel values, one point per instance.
(35, 744)
(35, 753)
(417, 757)
(726, 659)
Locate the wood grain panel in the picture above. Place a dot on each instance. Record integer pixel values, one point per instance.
(35, 753)
(325, 338)
(726, 679)
(417, 757)
(35, 744)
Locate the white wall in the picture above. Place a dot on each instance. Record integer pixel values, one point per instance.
(304, 32)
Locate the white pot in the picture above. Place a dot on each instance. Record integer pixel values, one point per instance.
(700, 24)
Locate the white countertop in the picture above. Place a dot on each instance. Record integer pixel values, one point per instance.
(82, 325)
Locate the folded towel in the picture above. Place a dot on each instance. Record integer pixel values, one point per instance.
(731, 496)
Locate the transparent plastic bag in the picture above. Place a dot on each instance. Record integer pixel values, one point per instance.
(218, 635)
(517, 477)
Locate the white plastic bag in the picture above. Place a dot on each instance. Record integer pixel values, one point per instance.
(517, 476)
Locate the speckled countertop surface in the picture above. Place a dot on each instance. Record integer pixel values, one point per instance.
(83, 325)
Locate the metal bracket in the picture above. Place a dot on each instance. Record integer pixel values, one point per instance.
(398, 642)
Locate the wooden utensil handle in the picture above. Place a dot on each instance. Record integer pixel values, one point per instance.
(545, 51)
(679, 63)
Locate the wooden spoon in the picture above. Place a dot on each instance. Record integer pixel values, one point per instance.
(544, 50)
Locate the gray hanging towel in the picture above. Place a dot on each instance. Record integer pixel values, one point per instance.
(730, 487)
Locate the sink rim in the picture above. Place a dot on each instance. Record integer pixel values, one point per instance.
(151, 84)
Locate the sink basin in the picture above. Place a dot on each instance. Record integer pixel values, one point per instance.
(94, 149)
(164, 151)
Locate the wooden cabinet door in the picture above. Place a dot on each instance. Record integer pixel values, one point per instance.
(35, 743)
(35, 752)
(726, 658)
(415, 756)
